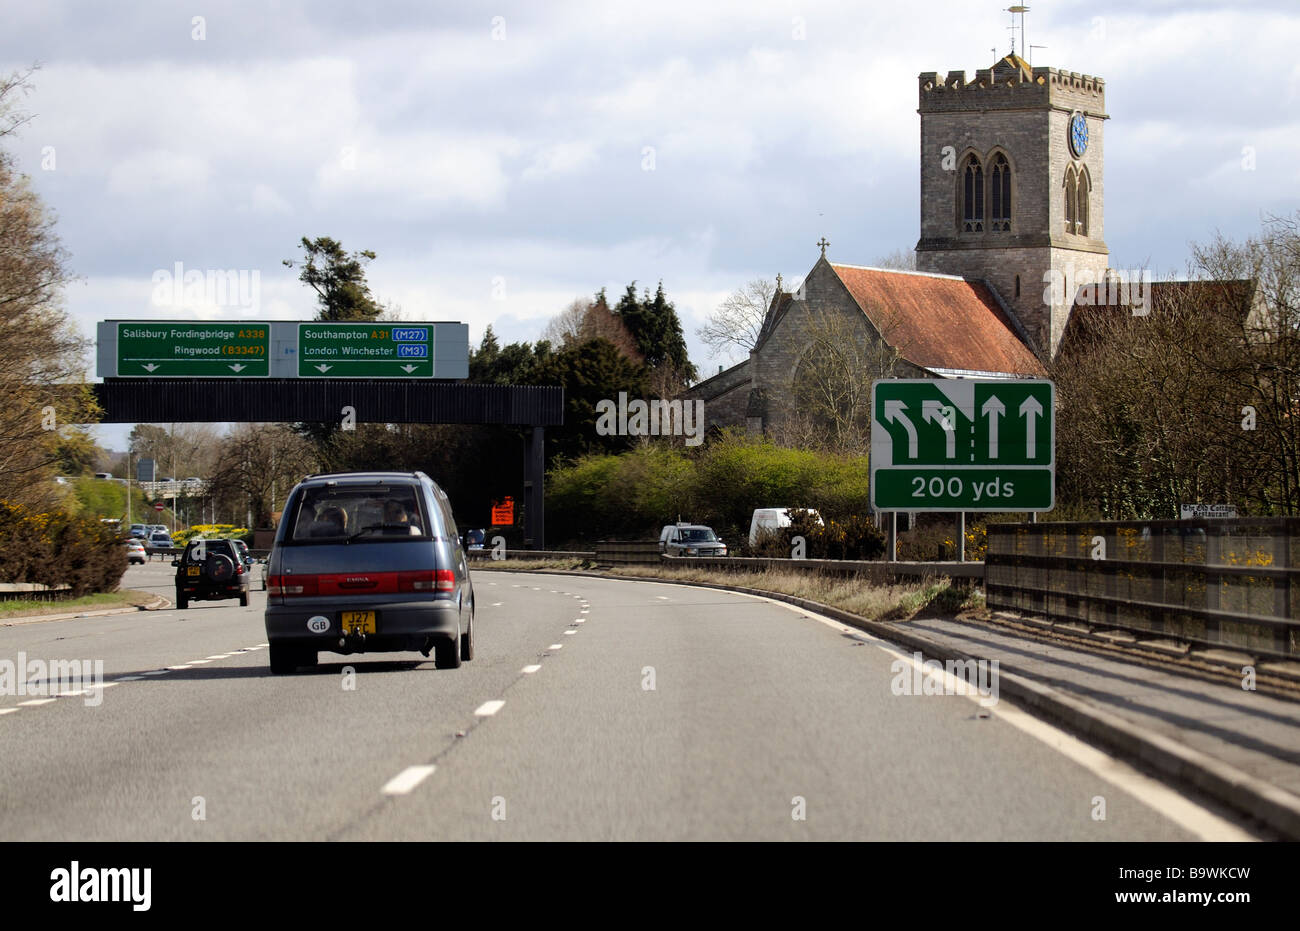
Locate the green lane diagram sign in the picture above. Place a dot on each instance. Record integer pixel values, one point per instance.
(208, 350)
(963, 445)
(364, 350)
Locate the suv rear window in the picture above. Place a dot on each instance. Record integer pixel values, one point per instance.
(222, 547)
(358, 512)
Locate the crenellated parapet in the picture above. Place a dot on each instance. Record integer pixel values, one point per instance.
(1012, 85)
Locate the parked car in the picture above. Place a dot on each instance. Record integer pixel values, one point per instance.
(103, 475)
(368, 561)
(135, 552)
(770, 520)
(211, 570)
(683, 539)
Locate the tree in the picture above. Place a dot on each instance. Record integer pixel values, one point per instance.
(1195, 399)
(339, 280)
(589, 373)
(655, 327)
(585, 320)
(733, 328)
(901, 259)
(42, 357)
(257, 465)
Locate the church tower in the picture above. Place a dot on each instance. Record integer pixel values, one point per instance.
(1012, 187)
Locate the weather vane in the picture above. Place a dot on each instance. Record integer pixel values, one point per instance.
(1013, 10)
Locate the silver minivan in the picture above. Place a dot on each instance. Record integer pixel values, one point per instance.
(368, 562)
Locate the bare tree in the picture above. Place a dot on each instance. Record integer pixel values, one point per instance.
(901, 259)
(585, 320)
(15, 83)
(733, 328)
(255, 460)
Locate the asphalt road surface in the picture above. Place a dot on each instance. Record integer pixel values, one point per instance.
(595, 709)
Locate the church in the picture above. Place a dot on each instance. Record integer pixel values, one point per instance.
(1012, 203)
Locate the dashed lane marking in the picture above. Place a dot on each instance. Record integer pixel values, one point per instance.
(407, 779)
(489, 708)
(529, 670)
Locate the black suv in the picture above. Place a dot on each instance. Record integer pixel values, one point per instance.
(211, 570)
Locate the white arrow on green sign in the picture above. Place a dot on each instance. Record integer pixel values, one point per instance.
(963, 445)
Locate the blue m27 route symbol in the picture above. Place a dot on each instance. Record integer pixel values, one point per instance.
(955, 444)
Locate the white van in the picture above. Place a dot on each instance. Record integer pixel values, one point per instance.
(768, 520)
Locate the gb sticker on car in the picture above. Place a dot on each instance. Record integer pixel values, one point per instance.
(318, 624)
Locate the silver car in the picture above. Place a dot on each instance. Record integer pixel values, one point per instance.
(368, 562)
(690, 540)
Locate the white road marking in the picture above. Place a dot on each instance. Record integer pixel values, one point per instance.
(496, 604)
(107, 685)
(569, 633)
(556, 646)
(35, 701)
(586, 610)
(219, 656)
(529, 670)
(7, 710)
(579, 620)
(663, 597)
(77, 694)
(264, 644)
(489, 708)
(407, 780)
(199, 662)
(182, 666)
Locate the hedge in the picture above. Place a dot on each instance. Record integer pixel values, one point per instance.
(56, 548)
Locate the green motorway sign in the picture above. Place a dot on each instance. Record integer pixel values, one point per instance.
(193, 349)
(963, 445)
(364, 350)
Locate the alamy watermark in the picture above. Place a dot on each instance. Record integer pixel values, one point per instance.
(919, 676)
(639, 417)
(238, 288)
(40, 679)
(1089, 287)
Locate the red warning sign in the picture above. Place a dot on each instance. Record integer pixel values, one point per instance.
(503, 512)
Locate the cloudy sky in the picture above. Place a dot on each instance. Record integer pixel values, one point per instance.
(503, 158)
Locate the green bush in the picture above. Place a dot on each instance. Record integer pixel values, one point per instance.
(56, 548)
(633, 494)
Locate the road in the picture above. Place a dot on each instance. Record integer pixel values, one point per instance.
(595, 709)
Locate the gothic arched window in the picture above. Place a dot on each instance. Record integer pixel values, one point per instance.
(1000, 193)
(1071, 199)
(972, 210)
(1081, 211)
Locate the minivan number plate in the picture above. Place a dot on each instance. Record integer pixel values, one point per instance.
(358, 622)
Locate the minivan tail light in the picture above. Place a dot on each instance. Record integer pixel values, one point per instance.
(427, 580)
(290, 586)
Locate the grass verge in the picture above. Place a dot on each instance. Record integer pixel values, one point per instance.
(936, 598)
(99, 602)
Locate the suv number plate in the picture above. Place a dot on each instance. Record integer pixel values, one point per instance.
(357, 622)
(193, 570)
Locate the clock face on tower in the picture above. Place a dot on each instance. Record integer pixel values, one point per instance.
(1078, 135)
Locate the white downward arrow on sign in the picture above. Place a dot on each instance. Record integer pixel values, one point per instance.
(150, 367)
(323, 368)
(894, 411)
(1030, 409)
(237, 367)
(408, 368)
(993, 409)
(933, 411)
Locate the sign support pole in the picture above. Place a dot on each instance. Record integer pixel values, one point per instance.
(961, 536)
(893, 536)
